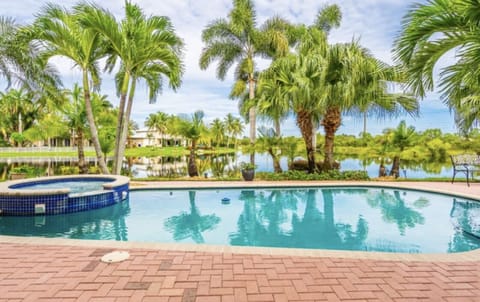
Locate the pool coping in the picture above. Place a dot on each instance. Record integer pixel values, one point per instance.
(456, 189)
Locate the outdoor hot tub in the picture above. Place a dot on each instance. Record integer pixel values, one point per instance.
(62, 194)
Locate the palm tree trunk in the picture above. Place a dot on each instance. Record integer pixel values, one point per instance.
(276, 123)
(120, 120)
(93, 127)
(252, 117)
(126, 121)
(82, 167)
(304, 122)
(395, 171)
(276, 162)
(331, 122)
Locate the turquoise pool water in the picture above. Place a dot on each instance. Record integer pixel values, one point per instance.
(346, 218)
(75, 186)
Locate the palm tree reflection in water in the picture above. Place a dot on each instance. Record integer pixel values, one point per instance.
(260, 223)
(395, 210)
(191, 224)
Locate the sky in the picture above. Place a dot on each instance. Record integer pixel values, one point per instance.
(375, 23)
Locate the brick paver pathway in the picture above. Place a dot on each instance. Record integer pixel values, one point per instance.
(68, 273)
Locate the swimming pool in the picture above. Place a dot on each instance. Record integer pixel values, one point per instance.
(340, 218)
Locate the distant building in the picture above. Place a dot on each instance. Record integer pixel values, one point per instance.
(145, 137)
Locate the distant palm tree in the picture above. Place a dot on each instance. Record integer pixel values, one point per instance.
(63, 35)
(192, 128)
(147, 48)
(239, 40)
(402, 137)
(271, 142)
(77, 122)
(217, 130)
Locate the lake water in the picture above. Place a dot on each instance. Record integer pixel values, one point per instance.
(212, 165)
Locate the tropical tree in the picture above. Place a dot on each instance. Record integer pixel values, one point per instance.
(76, 118)
(22, 61)
(217, 131)
(271, 142)
(402, 137)
(61, 34)
(147, 48)
(229, 126)
(299, 78)
(431, 30)
(239, 40)
(18, 110)
(158, 122)
(192, 128)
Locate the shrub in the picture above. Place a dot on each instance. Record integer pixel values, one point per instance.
(301, 175)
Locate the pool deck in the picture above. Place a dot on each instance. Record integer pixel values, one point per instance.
(41, 269)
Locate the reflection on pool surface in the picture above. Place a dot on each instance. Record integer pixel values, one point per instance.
(346, 218)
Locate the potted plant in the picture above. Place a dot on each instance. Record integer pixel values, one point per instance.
(248, 171)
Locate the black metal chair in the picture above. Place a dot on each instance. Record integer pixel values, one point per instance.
(465, 163)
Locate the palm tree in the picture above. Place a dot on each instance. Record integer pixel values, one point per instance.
(158, 122)
(299, 79)
(217, 130)
(271, 142)
(22, 62)
(147, 48)
(62, 34)
(229, 126)
(17, 105)
(239, 40)
(192, 129)
(431, 30)
(77, 122)
(237, 130)
(402, 137)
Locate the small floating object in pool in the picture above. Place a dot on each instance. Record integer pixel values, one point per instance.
(225, 200)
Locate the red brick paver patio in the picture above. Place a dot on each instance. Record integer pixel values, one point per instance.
(68, 273)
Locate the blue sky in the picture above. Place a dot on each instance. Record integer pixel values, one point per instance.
(375, 22)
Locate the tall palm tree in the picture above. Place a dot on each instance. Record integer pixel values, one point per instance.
(147, 48)
(239, 40)
(429, 31)
(62, 34)
(77, 122)
(298, 79)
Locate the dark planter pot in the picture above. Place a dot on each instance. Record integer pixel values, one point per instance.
(248, 175)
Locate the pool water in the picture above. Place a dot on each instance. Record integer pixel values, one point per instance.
(75, 186)
(345, 218)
